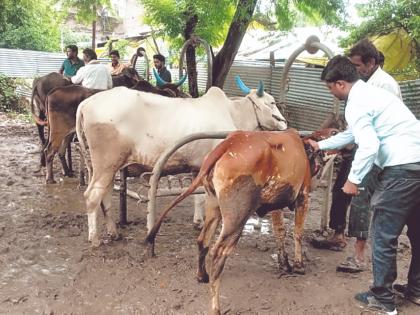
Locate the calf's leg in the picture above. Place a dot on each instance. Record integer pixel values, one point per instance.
(211, 223)
(279, 232)
(302, 204)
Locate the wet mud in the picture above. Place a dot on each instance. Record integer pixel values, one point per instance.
(48, 267)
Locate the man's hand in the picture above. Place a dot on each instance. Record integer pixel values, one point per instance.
(313, 144)
(350, 188)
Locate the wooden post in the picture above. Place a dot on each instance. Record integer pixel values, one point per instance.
(123, 196)
(326, 205)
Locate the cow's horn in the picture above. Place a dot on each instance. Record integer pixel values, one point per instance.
(242, 85)
(159, 80)
(180, 82)
(260, 91)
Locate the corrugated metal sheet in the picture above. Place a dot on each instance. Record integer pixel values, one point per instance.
(308, 100)
(410, 91)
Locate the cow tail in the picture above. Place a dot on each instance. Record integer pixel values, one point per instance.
(84, 157)
(37, 119)
(205, 169)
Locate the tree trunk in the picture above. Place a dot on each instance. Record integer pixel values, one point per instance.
(93, 35)
(224, 59)
(190, 53)
(192, 71)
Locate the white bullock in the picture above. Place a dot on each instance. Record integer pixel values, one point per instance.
(122, 126)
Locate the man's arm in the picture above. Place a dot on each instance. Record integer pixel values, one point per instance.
(61, 71)
(338, 141)
(79, 76)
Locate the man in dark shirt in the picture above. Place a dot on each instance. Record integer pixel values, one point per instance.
(159, 61)
(72, 64)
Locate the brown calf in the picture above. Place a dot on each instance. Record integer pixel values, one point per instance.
(250, 171)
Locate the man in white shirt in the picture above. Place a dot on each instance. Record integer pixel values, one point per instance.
(365, 57)
(387, 134)
(93, 75)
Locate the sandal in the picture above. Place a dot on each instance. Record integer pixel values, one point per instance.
(351, 265)
(333, 245)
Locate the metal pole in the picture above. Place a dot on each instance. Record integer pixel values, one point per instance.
(194, 41)
(123, 196)
(160, 163)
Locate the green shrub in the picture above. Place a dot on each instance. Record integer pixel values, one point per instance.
(9, 101)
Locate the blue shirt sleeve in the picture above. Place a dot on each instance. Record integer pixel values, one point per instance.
(338, 141)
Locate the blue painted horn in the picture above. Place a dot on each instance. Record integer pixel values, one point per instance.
(180, 82)
(260, 91)
(242, 85)
(159, 80)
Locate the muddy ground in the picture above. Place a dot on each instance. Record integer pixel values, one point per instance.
(47, 266)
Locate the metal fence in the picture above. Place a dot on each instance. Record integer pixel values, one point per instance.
(307, 99)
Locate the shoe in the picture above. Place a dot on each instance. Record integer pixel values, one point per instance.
(403, 289)
(330, 244)
(351, 265)
(375, 306)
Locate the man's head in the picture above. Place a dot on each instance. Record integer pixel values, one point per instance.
(88, 55)
(365, 57)
(159, 61)
(71, 51)
(115, 56)
(381, 59)
(339, 75)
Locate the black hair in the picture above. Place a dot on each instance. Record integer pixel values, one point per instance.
(339, 68)
(381, 58)
(73, 48)
(115, 53)
(366, 50)
(159, 57)
(90, 53)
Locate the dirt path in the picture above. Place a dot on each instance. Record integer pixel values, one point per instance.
(47, 266)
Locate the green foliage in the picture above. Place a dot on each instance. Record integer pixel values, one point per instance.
(9, 101)
(214, 17)
(87, 10)
(121, 45)
(169, 17)
(70, 37)
(384, 16)
(28, 24)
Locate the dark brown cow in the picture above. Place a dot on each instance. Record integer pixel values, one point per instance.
(247, 172)
(62, 104)
(40, 89)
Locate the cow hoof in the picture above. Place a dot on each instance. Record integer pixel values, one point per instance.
(95, 243)
(203, 278)
(51, 181)
(71, 175)
(299, 269)
(198, 226)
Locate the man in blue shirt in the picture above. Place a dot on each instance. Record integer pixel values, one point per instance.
(387, 135)
(72, 64)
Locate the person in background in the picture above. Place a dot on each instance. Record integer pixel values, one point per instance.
(73, 63)
(365, 57)
(115, 67)
(159, 62)
(387, 135)
(94, 75)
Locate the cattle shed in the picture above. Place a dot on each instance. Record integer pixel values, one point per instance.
(307, 99)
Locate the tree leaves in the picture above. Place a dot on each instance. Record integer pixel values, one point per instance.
(29, 25)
